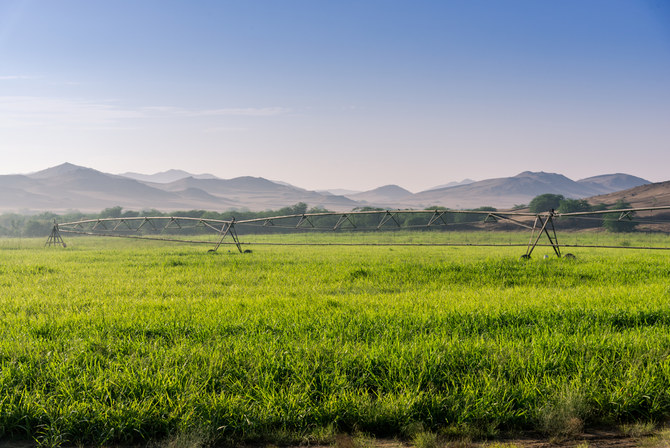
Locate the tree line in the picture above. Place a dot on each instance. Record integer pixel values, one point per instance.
(19, 225)
(559, 203)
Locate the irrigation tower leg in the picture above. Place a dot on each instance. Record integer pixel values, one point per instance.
(551, 236)
(230, 230)
(54, 238)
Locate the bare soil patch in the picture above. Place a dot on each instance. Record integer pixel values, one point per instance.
(594, 438)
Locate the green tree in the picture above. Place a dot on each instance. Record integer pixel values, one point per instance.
(318, 209)
(473, 218)
(545, 202)
(368, 209)
(37, 228)
(618, 221)
(152, 212)
(111, 212)
(296, 209)
(574, 205)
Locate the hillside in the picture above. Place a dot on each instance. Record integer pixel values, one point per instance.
(608, 183)
(650, 195)
(453, 184)
(506, 192)
(166, 176)
(69, 187)
(388, 195)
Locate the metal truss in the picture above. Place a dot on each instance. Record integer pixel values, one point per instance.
(546, 226)
(166, 228)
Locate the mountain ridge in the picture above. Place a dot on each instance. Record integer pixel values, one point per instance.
(452, 184)
(69, 187)
(647, 195)
(166, 176)
(385, 195)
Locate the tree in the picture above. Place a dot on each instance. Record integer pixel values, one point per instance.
(318, 209)
(574, 205)
(296, 209)
(618, 221)
(37, 228)
(471, 218)
(111, 212)
(545, 202)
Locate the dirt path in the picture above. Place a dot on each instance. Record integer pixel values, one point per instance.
(596, 438)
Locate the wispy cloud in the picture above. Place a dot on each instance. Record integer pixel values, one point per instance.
(226, 130)
(15, 77)
(246, 112)
(29, 111)
(33, 111)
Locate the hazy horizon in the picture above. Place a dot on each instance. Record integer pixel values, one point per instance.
(280, 181)
(327, 95)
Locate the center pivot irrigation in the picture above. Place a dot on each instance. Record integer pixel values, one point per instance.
(216, 232)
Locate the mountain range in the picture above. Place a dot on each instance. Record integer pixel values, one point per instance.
(69, 187)
(520, 189)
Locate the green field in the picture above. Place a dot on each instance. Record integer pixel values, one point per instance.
(117, 341)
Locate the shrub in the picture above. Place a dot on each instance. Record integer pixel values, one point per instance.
(574, 205)
(618, 222)
(545, 202)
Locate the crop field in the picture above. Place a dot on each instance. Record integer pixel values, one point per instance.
(112, 341)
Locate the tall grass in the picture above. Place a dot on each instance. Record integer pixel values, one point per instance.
(115, 342)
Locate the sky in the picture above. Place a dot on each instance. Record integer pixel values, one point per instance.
(349, 94)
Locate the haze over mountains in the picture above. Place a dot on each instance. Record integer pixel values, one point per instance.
(166, 176)
(70, 187)
(520, 189)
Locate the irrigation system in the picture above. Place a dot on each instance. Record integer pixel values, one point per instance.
(542, 228)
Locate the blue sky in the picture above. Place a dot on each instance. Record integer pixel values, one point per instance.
(348, 94)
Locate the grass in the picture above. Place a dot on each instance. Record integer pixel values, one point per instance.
(638, 429)
(659, 440)
(112, 342)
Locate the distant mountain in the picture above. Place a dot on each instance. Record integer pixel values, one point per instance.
(388, 195)
(453, 184)
(520, 189)
(647, 195)
(286, 184)
(257, 193)
(613, 182)
(70, 187)
(166, 176)
(16, 194)
(64, 169)
(339, 191)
